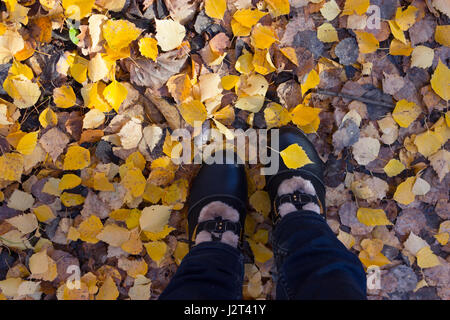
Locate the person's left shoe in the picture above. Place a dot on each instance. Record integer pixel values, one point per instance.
(301, 189)
(217, 204)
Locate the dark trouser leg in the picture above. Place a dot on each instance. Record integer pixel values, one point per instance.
(211, 270)
(312, 263)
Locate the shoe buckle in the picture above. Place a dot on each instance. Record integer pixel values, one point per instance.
(219, 227)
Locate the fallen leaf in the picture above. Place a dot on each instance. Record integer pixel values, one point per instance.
(169, 34)
(148, 47)
(439, 81)
(373, 217)
(215, 8)
(154, 218)
(422, 57)
(294, 157)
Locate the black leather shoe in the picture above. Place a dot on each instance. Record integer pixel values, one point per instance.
(218, 182)
(312, 172)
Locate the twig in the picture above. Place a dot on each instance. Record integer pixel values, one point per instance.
(351, 97)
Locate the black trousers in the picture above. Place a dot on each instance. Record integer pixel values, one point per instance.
(311, 263)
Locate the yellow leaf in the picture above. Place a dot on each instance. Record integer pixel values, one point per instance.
(155, 236)
(78, 69)
(39, 262)
(102, 183)
(48, 117)
(64, 97)
(93, 96)
(310, 82)
(405, 19)
(303, 115)
(372, 217)
(149, 48)
(346, 238)
(244, 64)
(289, 53)
(76, 158)
(175, 194)
(141, 289)
(252, 103)
(14, 138)
(69, 181)
(134, 268)
(9, 287)
(393, 168)
(442, 35)
(89, 229)
(134, 244)
(276, 115)
(163, 171)
(229, 81)
(330, 10)
(19, 68)
(134, 182)
(248, 17)
(108, 291)
(358, 6)
(115, 93)
(51, 187)
(278, 7)
(215, 8)
(114, 235)
(263, 36)
(73, 234)
(77, 9)
(442, 238)
(327, 33)
(71, 199)
(27, 143)
(260, 251)
(260, 201)
(43, 213)
(397, 32)
(156, 250)
(193, 111)
(428, 143)
(169, 34)
(262, 63)
(11, 42)
(397, 48)
(11, 166)
(377, 259)
(371, 253)
(152, 193)
(120, 33)
(98, 68)
(422, 57)
(24, 92)
(133, 220)
(367, 42)
(404, 194)
(426, 258)
(180, 87)
(117, 54)
(405, 113)
(154, 218)
(239, 30)
(439, 81)
(294, 157)
(181, 250)
(261, 236)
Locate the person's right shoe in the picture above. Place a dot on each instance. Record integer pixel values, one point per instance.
(312, 172)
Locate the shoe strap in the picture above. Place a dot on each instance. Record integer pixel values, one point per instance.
(219, 226)
(297, 198)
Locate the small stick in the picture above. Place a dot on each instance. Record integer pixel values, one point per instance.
(351, 97)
